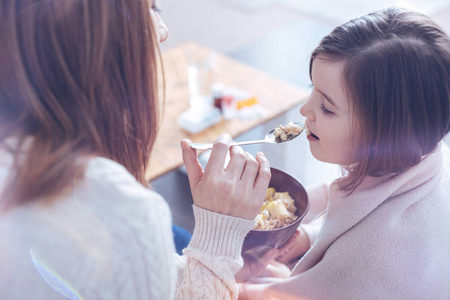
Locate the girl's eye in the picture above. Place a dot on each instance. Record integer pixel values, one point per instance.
(325, 110)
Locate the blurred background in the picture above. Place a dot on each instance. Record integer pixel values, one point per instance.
(277, 37)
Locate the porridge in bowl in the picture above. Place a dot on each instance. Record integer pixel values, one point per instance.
(259, 241)
(277, 211)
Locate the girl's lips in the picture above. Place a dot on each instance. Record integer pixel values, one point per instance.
(307, 130)
(310, 136)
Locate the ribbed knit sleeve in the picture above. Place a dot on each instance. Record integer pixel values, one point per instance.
(213, 257)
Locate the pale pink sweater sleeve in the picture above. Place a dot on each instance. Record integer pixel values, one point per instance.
(207, 268)
(312, 229)
(318, 202)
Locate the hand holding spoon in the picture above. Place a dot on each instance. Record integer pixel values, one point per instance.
(270, 138)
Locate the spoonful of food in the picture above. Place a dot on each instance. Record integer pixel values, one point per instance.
(281, 134)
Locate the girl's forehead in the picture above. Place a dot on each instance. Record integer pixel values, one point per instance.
(327, 76)
(330, 67)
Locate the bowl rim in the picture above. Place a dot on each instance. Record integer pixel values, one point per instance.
(300, 218)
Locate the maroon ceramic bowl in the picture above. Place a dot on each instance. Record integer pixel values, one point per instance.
(258, 242)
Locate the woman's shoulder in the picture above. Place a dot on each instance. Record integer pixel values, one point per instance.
(446, 149)
(108, 183)
(102, 169)
(106, 218)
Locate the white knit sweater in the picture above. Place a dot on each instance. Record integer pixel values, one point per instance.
(110, 238)
(390, 239)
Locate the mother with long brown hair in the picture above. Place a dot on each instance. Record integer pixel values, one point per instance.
(79, 114)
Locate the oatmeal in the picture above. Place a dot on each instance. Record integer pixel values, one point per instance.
(277, 211)
(285, 132)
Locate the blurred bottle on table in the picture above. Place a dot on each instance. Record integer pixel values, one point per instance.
(217, 89)
(201, 113)
(200, 77)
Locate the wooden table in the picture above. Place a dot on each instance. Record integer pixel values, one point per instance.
(274, 95)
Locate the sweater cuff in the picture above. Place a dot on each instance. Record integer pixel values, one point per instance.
(217, 234)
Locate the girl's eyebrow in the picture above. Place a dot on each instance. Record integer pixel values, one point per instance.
(328, 98)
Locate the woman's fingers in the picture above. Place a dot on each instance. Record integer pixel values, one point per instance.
(242, 288)
(193, 166)
(237, 190)
(250, 171)
(262, 182)
(254, 267)
(262, 262)
(292, 240)
(277, 270)
(261, 291)
(295, 247)
(216, 162)
(237, 160)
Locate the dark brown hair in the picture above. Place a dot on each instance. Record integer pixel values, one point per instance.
(397, 77)
(80, 78)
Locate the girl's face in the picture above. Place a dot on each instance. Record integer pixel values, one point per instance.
(328, 114)
(162, 33)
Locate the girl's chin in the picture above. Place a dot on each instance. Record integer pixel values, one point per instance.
(327, 160)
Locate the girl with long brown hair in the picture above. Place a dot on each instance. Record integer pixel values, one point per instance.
(79, 114)
(380, 108)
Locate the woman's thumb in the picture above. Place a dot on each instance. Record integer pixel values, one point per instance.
(193, 166)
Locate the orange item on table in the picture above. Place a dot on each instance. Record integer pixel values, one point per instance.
(247, 102)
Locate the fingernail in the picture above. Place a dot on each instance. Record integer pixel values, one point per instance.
(184, 146)
(261, 154)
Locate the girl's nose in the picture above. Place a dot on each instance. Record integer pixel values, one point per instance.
(306, 110)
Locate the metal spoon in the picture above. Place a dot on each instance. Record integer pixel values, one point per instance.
(269, 138)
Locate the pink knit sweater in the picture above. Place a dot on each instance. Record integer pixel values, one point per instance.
(390, 239)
